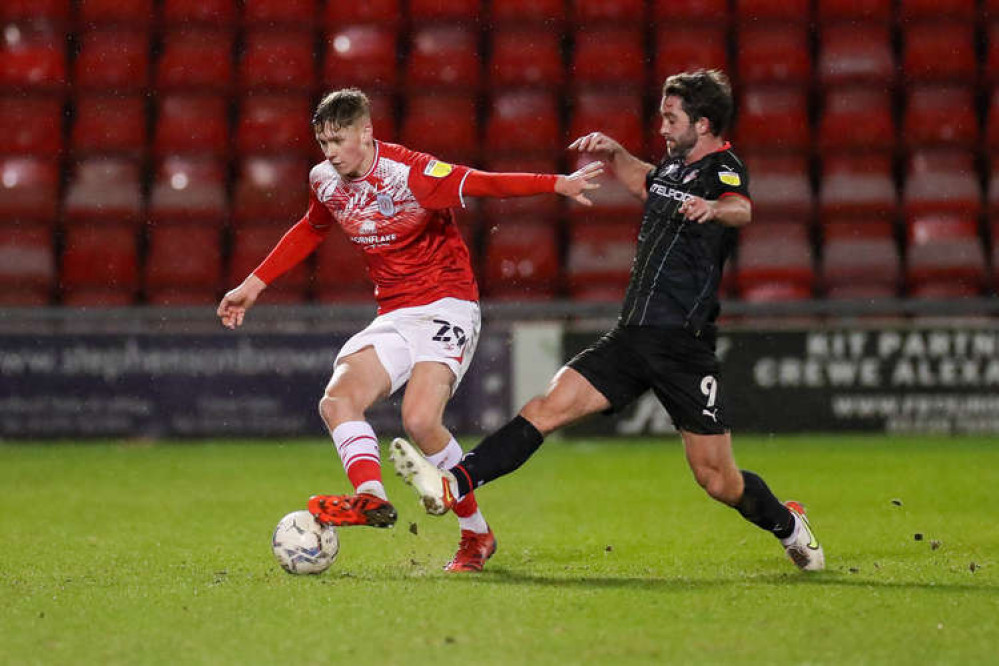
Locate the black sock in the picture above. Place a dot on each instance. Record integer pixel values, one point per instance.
(500, 453)
(759, 506)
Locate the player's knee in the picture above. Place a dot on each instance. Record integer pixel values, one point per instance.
(335, 410)
(544, 413)
(419, 424)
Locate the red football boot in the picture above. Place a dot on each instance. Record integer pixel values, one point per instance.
(473, 551)
(342, 510)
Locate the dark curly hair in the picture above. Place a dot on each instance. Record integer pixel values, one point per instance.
(705, 93)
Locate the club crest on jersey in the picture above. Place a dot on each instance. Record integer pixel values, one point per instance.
(690, 176)
(385, 204)
(437, 169)
(730, 178)
(671, 169)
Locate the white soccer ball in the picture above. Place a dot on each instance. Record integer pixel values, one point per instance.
(302, 545)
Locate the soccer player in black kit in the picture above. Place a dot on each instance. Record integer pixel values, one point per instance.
(695, 199)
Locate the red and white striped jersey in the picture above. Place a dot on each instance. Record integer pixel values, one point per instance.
(398, 214)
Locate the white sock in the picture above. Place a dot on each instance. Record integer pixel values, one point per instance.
(355, 442)
(373, 488)
(445, 459)
(794, 533)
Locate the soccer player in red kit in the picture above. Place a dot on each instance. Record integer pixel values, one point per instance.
(394, 204)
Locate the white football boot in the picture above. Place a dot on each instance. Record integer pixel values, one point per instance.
(437, 489)
(803, 548)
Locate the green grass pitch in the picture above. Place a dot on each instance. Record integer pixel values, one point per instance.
(124, 553)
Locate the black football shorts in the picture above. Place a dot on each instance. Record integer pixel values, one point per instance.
(681, 370)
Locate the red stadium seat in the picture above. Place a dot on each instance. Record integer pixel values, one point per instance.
(860, 260)
(522, 261)
(523, 122)
(183, 266)
(599, 260)
(444, 57)
(443, 125)
(941, 181)
(380, 12)
(270, 189)
(543, 209)
(750, 12)
(601, 12)
(945, 257)
(281, 61)
(53, 12)
(109, 125)
(781, 190)
(384, 116)
(268, 13)
(692, 48)
(526, 57)
(853, 10)
(524, 12)
(31, 125)
(191, 124)
(100, 265)
(940, 115)
(27, 264)
(187, 14)
(33, 58)
(857, 119)
(341, 274)
(855, 54)
(198, 60)
(250, 244)
(29, 189)
(362, 55)
(932, 10)
(275, 124)
(686, 12)
(857, 185)
(939, 51)
(617, 114)
(775, 263)
(189, 189)
(112, 60)
(774, 54)
(134, 13)
(609, 56)
(429, 11)
(104, 190)
(773, 118)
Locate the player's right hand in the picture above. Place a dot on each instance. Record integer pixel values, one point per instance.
(596, 142)
(237, 301)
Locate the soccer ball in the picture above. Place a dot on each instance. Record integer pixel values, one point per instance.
(303, 546)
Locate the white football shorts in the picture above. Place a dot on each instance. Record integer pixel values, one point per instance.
(445, 331)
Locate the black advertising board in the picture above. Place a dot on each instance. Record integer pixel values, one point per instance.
(933, 380)
(102, 385)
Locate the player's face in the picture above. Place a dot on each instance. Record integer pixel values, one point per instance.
(349, 149)
(680, 134)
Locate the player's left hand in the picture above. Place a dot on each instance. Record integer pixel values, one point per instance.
(576, 184)
(697, 210)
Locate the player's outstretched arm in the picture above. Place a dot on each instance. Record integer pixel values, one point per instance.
(236, 302)
(627, 168)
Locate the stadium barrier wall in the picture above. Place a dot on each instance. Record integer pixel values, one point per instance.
(151, 373)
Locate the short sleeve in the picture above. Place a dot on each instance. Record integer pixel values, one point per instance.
(726, 177)
(649, 176)
(436, 184)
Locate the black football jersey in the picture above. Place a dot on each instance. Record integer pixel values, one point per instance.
(678, 263)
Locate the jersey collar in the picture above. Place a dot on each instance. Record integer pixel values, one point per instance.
(371, 169)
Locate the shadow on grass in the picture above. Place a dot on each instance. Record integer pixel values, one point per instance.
(501, 576)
